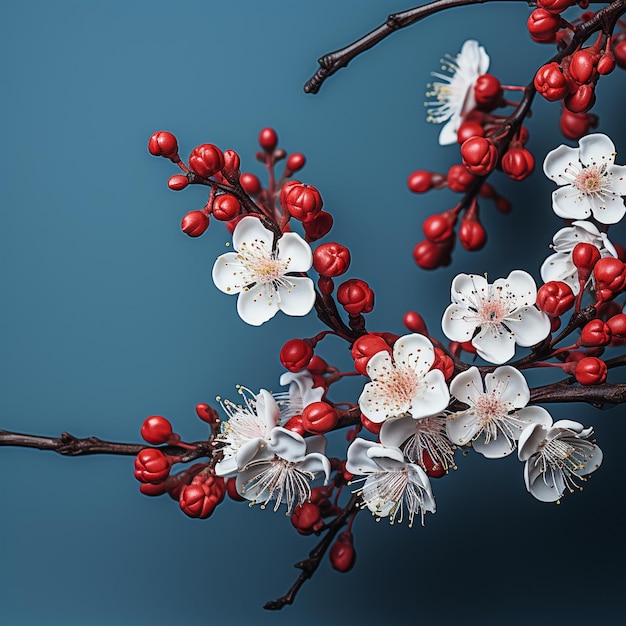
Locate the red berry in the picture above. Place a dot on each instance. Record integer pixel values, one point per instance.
(318, 227)
(302, 202)
(195, 223)
(250, 183)
(617, 325)
(151, 466)
(157, 430)
(226, 207)
(162, 143)
(356, 297)
(342, 553)
(469, 129)
(479, 155)
(590, 371)
(439, 227)
(487, 92)
(231, 490)
(581, 100)
(331, 259)
(459, 179)
(555, 298)
(443, 363)
(206, 160)
(207, 413)
(610, 275)
(583, 65)
(307, 518)
(606, 63)
(584, 257)
(595, 333)
(294, 423)
(472, 235)
(551, 82)
(177, 182)
(319, 418)
(575, 125)
(296, 354)
(518, 163)
(429, 255)
(619, 50)
(231, 165)
(268, 139)
(201, 497)
(295, 162)
(555, 6)
(415, 322)
(420, 181)
(543, 25)
(364, 348)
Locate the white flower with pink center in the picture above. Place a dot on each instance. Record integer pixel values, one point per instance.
(453, 93)
(261, 274)
(589, 181)
(497, 412)
(405, 384)
(558, 457)
(495, 316)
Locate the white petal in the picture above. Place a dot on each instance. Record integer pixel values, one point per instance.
(293, 248)
(448, 134)
(465, 285)
(534, 415)
(569, 203)
(387, 458)
(509, 383)
(229, 274)
(618, 179)
(454, 324)
(529, 326)
(288, 444)
(467, 386)
(541, 486)
(379, 365)
(558, 161)
(227, 467)
(414, 352)
(298, 298)
(253, 450)
(462, 427)
(608, 209)
(529, 441)
(435, 397)
(316, 463)
(521, 288)
(496, 346)
(251, 229)
(375, 410)
(358, 461)
(593, 461)
(255, 491)
(257, 304)
(497, 447)
(575, 427)
(267, 410)
(559, 266)
(317, 443)
(596, 149)
(396, 431)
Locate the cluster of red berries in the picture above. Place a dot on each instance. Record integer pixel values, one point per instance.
(608, 329)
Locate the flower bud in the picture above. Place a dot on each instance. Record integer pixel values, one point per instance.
(319, 418)
(177, 182)
(231, 165)
(518, 163)
(581, 100)
(420, 181)
(294, 424)
(372, 427)
(429, 255)
(439, 227)
(595, 333)
(606, 63)
(151, 466)
(201, 497)
(555, 298)
(487, 92)
(584, 258)
(551, 82)
(617, 325)
(268, 139)
(318, 227)
(295, 162)
(302, 202)
(206, 160)
(610, 276)
(207, 413)
(307, 518)
(575, 125)
(342, 553)
(619, 50)
(250, 183)
(331, 259)
(162, 143)
(195, 223)
(443, 363)
(459, 179)
(555, 6)
(472, 235)
(583, 65)
(153, 489)
(364, 348)
(356, 297)
(296, 354)
(415, 322)
(469, 129)
(590, 371)
(157, 430)
(479, 155)
(543, 25)
(226, 207)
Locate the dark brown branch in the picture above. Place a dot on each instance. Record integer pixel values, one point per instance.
(310, 565)
(566, 391)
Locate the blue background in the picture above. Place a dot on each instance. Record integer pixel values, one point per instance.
(109, 315)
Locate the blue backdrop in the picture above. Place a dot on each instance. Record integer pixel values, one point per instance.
(109, 315)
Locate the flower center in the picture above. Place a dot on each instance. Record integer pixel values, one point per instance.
(400, 388)
(592, 180)
(492, 311)
(431, 436)
(262, 265)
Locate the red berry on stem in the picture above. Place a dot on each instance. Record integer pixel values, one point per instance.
(581, 100)
(158, 430)
(355, 296)
(543, 25)
(331, 259)
(268, 139)
(364, 348)
(459, 179)
(469, 129)
(606, 63)
(595, 333)
(415, 322)
(555, 6)
(342, 553)
(195, 223)
(295, 162)
(590, 371)
(151, 466)
(610, 275)
(479, 155)
(617, 325)
(177, 182)
(319, 418)
(551, 82)
(202, 497)
(575, 125)
(420, 181)
(583, 65)
(440, 226)
(250, 183)
(429, 255)
(207, 413)
(296, 354)
(619, 50)
(294, 423)
(518, 163)
(206, 160)
(302, 202)
(231, 165)
(163, 143)
(307, 518)
(318, 227)
(226, 207)
(472, 235)
(487, 92)
(555, 298)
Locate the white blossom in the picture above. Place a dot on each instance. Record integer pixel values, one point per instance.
(589, 181)
(453, 93)
(497, 412)
(558, 457)
(261, 275)
(391, 484)
(559, 266)
(404, 384)
(495, 316)
(301, 393)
